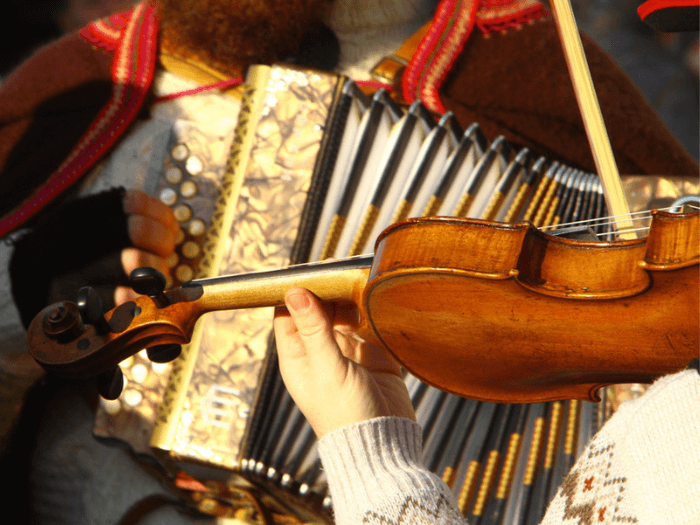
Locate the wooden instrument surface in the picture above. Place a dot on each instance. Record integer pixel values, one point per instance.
(489, 330)
(486, 310)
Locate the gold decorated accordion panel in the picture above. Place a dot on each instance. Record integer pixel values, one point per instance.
(318, 170)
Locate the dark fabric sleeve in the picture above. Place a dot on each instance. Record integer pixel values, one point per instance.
(46, 105)
(78, 243)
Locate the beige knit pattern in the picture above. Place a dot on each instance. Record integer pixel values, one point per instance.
(642, 467)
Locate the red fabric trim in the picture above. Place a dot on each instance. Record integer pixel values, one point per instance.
(443, 43)
(375, 85)
(186, 482)
(494, 24)
(132, 73)
(106, 33)
(650, 6)
(415, 68)
(437, 52)
(216, 85)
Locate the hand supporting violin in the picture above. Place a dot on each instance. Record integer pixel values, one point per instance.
(152, 230)
(335, 378)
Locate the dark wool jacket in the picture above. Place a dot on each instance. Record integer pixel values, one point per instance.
(513, 83)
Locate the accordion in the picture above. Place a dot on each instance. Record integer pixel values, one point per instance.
(317, 170)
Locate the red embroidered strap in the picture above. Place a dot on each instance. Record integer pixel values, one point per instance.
(107, 32)
(437, 52)
(231, 82)
(373, 84)
(499, 15)
(444, 41)
(132, 74)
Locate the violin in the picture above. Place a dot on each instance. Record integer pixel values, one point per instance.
(491, 311)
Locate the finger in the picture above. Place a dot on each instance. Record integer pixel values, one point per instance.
(133, 258)
(151, 235)
(123, 294)
(314, 329)
(289, 346)
(284, 324)
(139, 203)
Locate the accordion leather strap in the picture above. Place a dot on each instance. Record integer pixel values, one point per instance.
(389, 69)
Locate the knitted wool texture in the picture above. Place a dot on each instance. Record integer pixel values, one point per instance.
(642, 467)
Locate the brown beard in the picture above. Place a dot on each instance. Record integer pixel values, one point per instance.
(232, 34)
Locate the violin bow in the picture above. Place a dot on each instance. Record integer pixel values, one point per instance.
(592, 117)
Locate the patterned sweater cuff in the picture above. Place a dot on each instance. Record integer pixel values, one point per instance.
(374, 474)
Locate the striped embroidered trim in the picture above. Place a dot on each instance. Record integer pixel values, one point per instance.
(132, 74)
(493, 17)
(106, 32)
(224, 84)
(437, 52)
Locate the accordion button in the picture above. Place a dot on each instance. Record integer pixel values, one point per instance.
(139, 373)
(173, 175)
(180, 237)
(180, 152)
(133, 397)
(183, 213)
(197, 227)
(188, 189)
(194, 166)
(173, 260)
(168, 196)
(190, 249)
(184, 273)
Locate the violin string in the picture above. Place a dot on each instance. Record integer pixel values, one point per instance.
(610, 221)
(599, 221)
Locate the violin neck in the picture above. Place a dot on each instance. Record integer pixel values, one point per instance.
(339, 280)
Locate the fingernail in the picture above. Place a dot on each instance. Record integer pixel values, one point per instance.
(298, 301)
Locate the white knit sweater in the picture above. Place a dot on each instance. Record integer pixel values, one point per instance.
(371, 29)
(642, 467)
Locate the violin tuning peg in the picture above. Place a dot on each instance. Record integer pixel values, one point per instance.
(150, 282)
(90, 308)
(62, 322)
(110, 383)
(164, 353)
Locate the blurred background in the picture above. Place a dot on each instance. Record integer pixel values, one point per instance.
(663, 65)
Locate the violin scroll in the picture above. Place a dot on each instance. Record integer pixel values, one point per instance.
(78, 340)
(61, 321)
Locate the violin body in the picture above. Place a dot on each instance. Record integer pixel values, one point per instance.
(491, 311)
(516, 315)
